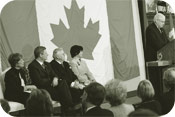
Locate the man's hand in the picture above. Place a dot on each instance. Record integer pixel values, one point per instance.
(55, 81)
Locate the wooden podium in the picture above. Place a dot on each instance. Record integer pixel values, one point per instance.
(155, 68)
(155, 73)
(168, 52)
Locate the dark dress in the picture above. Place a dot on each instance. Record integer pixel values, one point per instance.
(43, 77)
(64, 72)
(98, 111)
(153, 105)
(14, 91)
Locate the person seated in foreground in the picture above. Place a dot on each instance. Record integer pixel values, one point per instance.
(39, 103)
(93, 97)
(79, 66)
(116, 94)
(64, 72)
(146, 92)
(44, 77)
(15, 80)
(143, 113)
(167, 99)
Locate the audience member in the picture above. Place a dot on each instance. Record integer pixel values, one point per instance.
(146, 92)
(116, 94)
(79, 66)
(94, 96)
(39, 103)
(143, 113)
(15, 81)
(5, 105)
(44, 77)
(167, 99)
(63, 71)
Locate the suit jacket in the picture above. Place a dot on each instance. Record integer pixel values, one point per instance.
(98, 111)
(14, 91)
(42, 78)
(63, 72)
(155, 40)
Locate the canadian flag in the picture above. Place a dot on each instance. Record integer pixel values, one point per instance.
(108, 30)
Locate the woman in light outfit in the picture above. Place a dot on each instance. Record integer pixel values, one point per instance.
(79, 66)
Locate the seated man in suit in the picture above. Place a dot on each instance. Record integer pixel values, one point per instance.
(44, 77)
(93, 97)
(64, 72)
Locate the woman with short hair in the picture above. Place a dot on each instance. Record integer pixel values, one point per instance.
(146, 92)
(116, 94)
(15, 80)
(79, 66)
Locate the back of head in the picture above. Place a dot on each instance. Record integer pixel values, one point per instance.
(95, 93)
(39, 50)
(145, 90)
(169, 78)
(5, 105)
(75, 50)
(39, 103)
(142, 113)
(116, 92)
(14, 58)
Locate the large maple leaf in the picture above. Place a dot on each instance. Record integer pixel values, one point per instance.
(76, 34)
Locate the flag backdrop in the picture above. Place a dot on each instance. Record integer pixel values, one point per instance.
(107, 29)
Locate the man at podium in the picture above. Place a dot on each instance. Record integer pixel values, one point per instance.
(156, 37)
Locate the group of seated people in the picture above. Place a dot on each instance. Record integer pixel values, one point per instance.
(63, 81)
(72, 83)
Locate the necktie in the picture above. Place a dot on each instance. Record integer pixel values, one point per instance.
(43, 66)
(62, 65)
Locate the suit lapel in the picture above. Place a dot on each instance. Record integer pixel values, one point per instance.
(40, 67)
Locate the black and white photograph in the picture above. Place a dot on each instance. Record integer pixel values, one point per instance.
(87, 58)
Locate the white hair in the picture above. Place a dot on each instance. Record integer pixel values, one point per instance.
(159, 16)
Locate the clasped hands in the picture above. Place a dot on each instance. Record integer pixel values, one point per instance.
(55, 82)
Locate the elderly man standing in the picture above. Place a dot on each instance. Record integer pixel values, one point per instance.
(156, 37)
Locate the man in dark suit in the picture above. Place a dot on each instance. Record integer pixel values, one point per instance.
(44, 77)
(64, 72)
(156, 37)
(92, 98)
